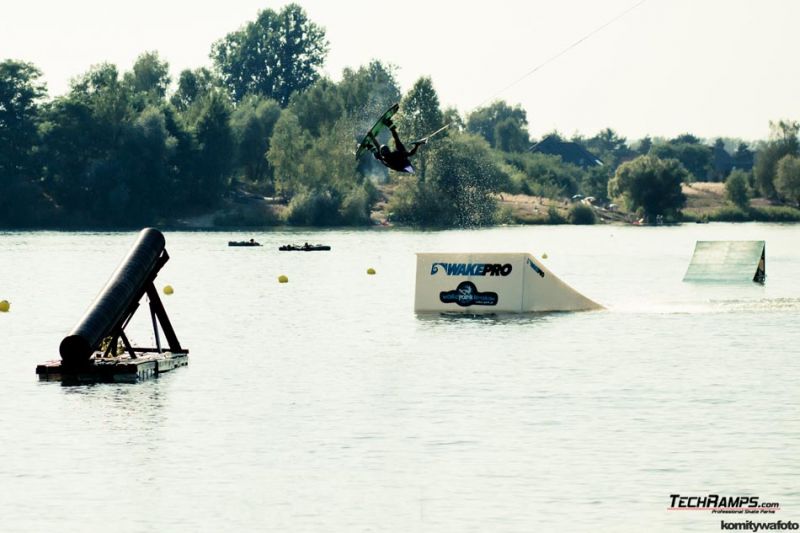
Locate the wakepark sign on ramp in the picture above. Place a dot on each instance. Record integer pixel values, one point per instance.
(492, 283)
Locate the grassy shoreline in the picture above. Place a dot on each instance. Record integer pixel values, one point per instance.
(706, 202)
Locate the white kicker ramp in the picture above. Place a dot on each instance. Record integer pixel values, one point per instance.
(492, 283)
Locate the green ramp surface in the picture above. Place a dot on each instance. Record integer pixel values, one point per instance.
(727, 261)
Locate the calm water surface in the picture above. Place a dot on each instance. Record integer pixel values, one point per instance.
(326, 404)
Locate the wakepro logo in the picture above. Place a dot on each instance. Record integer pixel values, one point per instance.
(472, 269)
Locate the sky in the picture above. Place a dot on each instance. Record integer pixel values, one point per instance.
(707, 67)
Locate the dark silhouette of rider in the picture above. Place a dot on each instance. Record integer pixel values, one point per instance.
(397, 159)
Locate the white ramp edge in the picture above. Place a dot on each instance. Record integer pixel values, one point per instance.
(476, 283)
(728, 261)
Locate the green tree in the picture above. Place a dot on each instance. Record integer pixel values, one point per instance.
(141, 188)
(451, 116)
(215, 150)
(329, 163)
(420, 116)
(149, 77)
(651, 184)
(275, 55)
(485, 120)
(721, 161)
(693, 155)
(68, 148)
(318, 175)
(787, 180)
(252, 124)
(546, 175)
(193, 85)
(20, 94)
(369, 90)
(609, 147)
(181, 164)
(644, 145)
(420, 111)
(783, 141)
(109, 100)
(463, 177)
(595, 182)
(510, 137)
(318, 108)
(736, 188)
(82, 134)
(286, 154)
(743, 158)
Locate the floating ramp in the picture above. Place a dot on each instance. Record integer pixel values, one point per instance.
(728, 261)
(492, 283)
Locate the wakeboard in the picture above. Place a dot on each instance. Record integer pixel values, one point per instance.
(375, 130)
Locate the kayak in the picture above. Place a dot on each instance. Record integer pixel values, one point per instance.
(304, 248)
(244, 243)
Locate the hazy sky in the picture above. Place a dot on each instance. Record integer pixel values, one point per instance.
(708, 67)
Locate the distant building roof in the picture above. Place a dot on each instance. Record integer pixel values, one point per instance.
(569, 152)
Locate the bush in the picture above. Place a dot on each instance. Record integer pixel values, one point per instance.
(554, 217)
(581, 214)
(775, 214)
(757, 214)
(314, 208)
(651, 184)
(730, 214)
(356, 208)
(736, 188)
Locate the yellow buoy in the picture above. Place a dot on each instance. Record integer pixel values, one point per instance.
(544, 255)
(4, 306)
(168, 289)
(371, 271)
(283, 279)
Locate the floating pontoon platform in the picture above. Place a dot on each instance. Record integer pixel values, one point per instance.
(97, 349)
(116, 369)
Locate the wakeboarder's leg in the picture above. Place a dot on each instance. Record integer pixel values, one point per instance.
(398, 144)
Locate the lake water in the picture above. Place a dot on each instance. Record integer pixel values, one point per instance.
(325, 404)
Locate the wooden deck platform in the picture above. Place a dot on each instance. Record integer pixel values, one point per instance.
(117, 369)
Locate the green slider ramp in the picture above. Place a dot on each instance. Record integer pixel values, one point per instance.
(728, 261)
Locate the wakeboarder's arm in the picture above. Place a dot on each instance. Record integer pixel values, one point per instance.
(375, 147)
(417, 144)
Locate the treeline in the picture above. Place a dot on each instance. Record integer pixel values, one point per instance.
(133, 148)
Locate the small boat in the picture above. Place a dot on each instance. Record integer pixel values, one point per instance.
(304, 248)
(251, 242)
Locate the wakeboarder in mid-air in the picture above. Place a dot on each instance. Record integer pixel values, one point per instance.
(399, 158)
